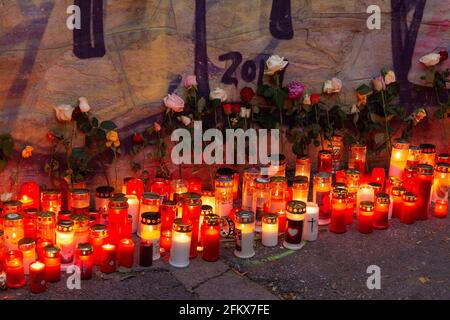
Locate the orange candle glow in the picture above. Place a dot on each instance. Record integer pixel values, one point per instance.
(365, 217)
(37, 277)
(125, 253)
(339, 211)
(381, 211)
(441, 208)
(108, 258)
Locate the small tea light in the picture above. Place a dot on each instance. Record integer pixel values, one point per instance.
(108, 258)
(296, 214)
(269, 230)
(181, 242)
(37, 277)
(365, 217)
(245, 234)
(441, 209)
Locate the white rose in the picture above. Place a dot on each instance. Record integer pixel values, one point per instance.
(390, 77)
(174, 102)
(332, 86)
(430, 59)
(5, 197)
(84, 105)
(185, 120)
(275, 64)
(64, 112)
(218, 94)
(327, 87)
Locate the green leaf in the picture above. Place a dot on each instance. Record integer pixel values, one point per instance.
(95, 122)
(108, 125)
(439, 114)
(363, 89)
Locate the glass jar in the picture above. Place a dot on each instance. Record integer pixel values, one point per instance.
(351, 202)
(441, 209)
(37, 277)
(65, 238)
(52, 261)
(224, 196)
(134, 187)
(102, 196)
(125, 253)
(15, 276)
(177, 187)
(357, 158)
(168, 215)
(233, 175)
(248, 183)
(324, 161)
(381, 211)
(192, 206)
(150, 202)
(397, 201)
(161, 187)
(352, 178)
(181, 242)
(399, 157)
(413, 156)
(84, 260)
(443, 158)
(108, 258)
(409, 177)
(303, 167)
(393, 182)
(409, 208)
(134, 212)
(261, 200)
(80, 228)
(338, 222)
(151, 231)
(300, 188)
(322, 196)
(117, 219)
(422, 188)
(208, 198)
(64, 215)
(365, 217)
(245, 234)
(211, 238)
(427, 154)
(98, 236)
(441, 182)
(278, 189)
(337, 150)
(29, 223)
(296, 213)
(12, 207)
(377, 187)
(311, 225)
(13, 230)
(28, 248)
(269, 233)
(40, 246)
(365, 193)
(51, 200)
(205, 211)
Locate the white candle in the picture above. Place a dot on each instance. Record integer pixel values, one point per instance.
(399, 157)
(133, 211)
(245, 234)
(270, 230)
(181, 243)
(365, 193)
(310, 227)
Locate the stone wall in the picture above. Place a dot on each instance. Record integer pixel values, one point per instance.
(151, 44)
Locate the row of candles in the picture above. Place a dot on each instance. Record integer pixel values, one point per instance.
(181, 218)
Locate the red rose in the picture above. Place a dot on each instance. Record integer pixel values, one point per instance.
(227, 107)
(236, 108)
(50, 136)
(247, 94)
(444, 56)
(137, 137)
(315, 98)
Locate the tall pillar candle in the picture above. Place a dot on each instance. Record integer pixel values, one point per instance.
(381, 211)
(248, 184)
(365, 217)
(338, 223)
(224, 196)
(422, 188)
(322, 196)
(409, 208)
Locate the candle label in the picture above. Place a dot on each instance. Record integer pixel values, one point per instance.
(311, 227)
(294, 232)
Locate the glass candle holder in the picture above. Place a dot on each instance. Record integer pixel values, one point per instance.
(377, 187)
(303, 167)
(261, 200)
(52, 261)
(245, 234)
(365, 193)
(337, 150)
(211, 238)
(441, 209)
(15, 277)
(145, 253)
(37, 277)
(28, 248)
(357, 158)
(224, 196)
(84, 260)
(233, 175)
(351, 201)
(168, 215)
(117, 219)
(278, 189)
(205, 211)
(413, 156)
(324, 161)
(80, 228)
(300, 188)
(296, 213)
(181, 242)
(64, 215)
(134, 187)
(365, 217)
(10, 207)
(40, 246)
(397, 201)
(443, 158)
(177, 187)
(322, 196)
(133, 211)
(422, 188)
(150, 202)
(65, 241)
(29, 223)
(441, 182)
(151, 231)
(352, 178)
(381, 211)
(409, 177)
(98, 236)
(311, 225)
(13, 230)
(191, 211)
(409, 208)
(195, 185)
(339, 199)
(393, 182)
(46, 225)
(269, 233)
(248, 183)
(79, 200)
(161, 187)
(125, 253)
(378, 176)
(208, 198)
(277, 165)
(427, 154)
(30, 195)
(51, 200)
(102, 196)
(399, 157)
(108, 258)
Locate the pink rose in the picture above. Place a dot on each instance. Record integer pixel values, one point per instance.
(190, 81)
(174, 102)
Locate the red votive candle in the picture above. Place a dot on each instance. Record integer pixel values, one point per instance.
(378, 175)
(98, 236)
(192, 205)
(40, 245)
(146, 253)
(441, 208)
(325, 161)
(381, 211)
(52, 261)
(397, 201)
(339, 211)
(125, 253)
(350, 208)
(422, 188)
(29, 223)
(15, 276)
(37, 277)
(83, 260)
(211, 238)
(108, 258)
(195, 185)
(409, 208)
(365, 217)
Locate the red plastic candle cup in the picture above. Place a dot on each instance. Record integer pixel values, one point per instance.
(192, 205)
(108, 258)
(52, 261)
(40, 245)
(365, 217)
(211, 238)
(195, 185)
(350, 208)
(146, 253)
(135, 187)
(357, 158)
(441, 209)
(38, 284)
(378, 175)
(117, 219)
(29, 223)
(161, 187)
(397, 201)
(381, 211)
(325, 162)
(409, 208)
(83, 260)
(125, 253)
(338, 223)
(30, 195)
(98, 236)
(422, 188)
(15, 276)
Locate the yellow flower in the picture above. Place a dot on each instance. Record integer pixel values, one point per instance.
(112, 136)
(27, 152)
(108, 144)
(117, 143)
